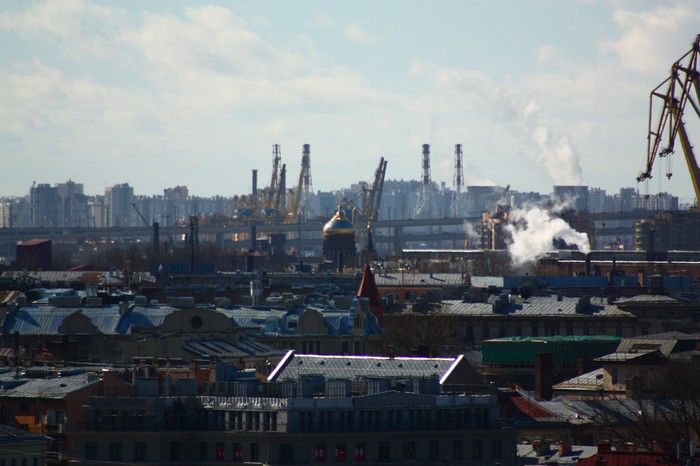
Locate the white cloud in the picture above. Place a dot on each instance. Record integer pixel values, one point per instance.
(358, 34)
(647, 37)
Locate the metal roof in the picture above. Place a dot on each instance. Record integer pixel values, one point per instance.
(56, 388)
(419, 279)
(541, 306)
(592, 380)
(222, 349)
(46, 319)
(351, 367)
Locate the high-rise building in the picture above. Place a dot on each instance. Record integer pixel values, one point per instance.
(574, 197)
(45, 205)
(118, 200)
(74, 205)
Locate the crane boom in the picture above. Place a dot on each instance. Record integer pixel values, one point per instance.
(145, 222)
(674, 93)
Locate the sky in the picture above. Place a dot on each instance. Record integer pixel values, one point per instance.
(160, 94)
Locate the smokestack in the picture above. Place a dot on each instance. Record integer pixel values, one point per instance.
(543, 376)
(156, 241)
(254, 201)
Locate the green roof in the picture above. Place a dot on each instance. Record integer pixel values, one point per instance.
(559, 338)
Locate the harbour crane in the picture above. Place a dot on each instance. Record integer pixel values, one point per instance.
(679, 89)
(273, 191)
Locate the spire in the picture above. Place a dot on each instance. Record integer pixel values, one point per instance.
(368, 289)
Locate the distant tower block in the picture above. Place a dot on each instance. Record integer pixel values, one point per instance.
(426, 208)
(458, 184)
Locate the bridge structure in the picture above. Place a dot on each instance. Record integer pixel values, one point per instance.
(394, 235)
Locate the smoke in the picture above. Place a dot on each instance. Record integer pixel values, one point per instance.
(533, 230)
(472, 235)
(557, 157)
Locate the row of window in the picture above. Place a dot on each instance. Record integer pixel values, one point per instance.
(393, 420)
(339, 452)
(548, 331)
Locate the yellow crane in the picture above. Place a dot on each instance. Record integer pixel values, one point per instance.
(674, 93)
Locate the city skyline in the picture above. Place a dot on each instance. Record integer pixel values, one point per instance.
(107, 93)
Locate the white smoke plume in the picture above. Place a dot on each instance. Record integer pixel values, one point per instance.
(472, 235)
(557, 156)
(533, 230)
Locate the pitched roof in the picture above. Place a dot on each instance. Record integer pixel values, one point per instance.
(352, 367)
(56, 388)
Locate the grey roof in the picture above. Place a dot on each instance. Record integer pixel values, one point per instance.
(419, 279)
(529, 456)
(46, 319)
(56, 388)
(592, 380)
(221, 349)
(352, 367)
(10, 434)
(655, 299)
(250, 317)
(542, 306)
(646, 344)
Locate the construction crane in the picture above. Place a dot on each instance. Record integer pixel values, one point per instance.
(374, 197)
(298, 199)
(145, 222)
(679, 89)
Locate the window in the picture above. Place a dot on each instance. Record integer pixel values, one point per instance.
(496, 449)
(535, 330)
(360, 451)
(237, 452)
(486, 332)
(339, 452)
(477, 449)
(90, 450)
(140, 451)
(384, 452)
(115, 451)
(434, 449)
(286, 453)
(175, 451)
(203, 451)
(614, 376)
(409, 450)
(221, 451)
(320, 453)
(254, 452)
(457, 449)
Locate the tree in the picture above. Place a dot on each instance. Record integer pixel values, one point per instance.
(426, 334)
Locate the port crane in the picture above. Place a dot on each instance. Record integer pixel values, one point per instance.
(674, 94)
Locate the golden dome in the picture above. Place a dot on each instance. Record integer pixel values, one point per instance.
(339, 225)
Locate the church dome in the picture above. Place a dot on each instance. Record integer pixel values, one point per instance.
(339, 225)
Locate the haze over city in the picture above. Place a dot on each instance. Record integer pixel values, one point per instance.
(168, 93)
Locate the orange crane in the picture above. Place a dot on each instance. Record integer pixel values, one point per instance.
(674, 93)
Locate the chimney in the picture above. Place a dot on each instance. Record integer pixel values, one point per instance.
(542, 447)
(254, 199)
(543, 376)
(564, 448)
